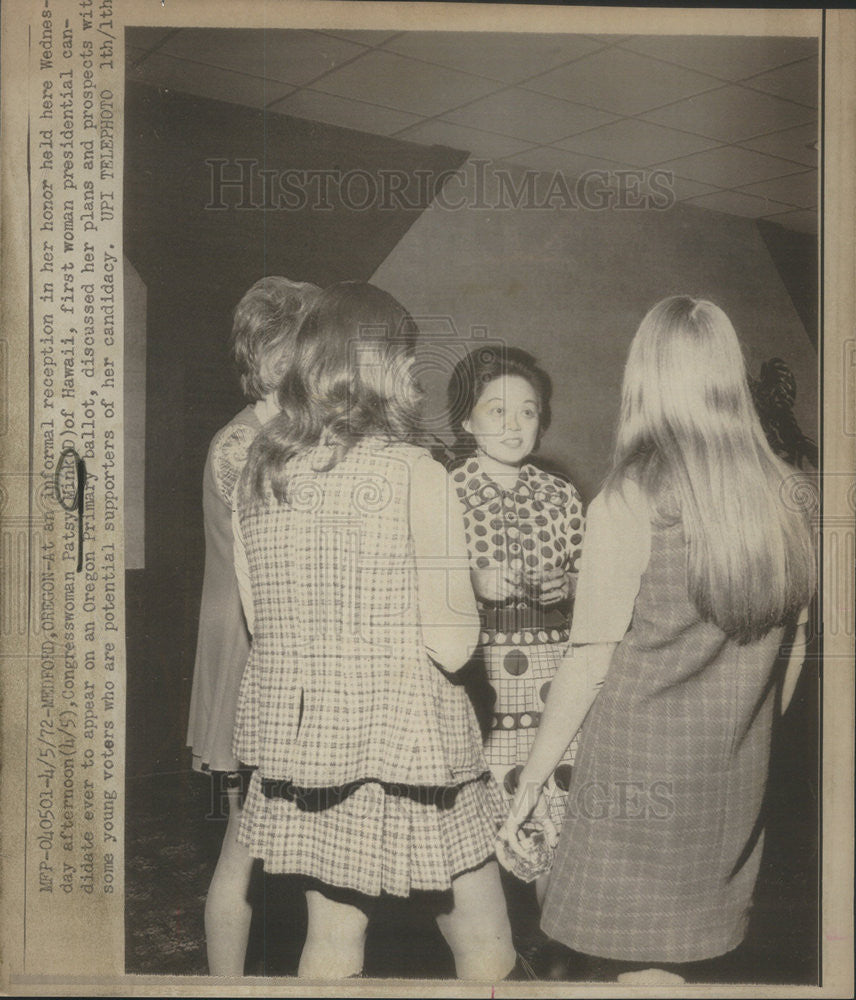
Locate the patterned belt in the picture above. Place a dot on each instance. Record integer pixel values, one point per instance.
(523, 636)
(509, 721)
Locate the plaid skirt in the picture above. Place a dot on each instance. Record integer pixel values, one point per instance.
(373, 838)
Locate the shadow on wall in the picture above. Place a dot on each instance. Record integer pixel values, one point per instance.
(571, 286)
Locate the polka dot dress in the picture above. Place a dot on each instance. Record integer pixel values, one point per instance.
(521, 528)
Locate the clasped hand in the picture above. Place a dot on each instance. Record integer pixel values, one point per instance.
(496, 585)
(529, 807)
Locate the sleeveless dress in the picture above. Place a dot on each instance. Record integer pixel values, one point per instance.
(370, 771)
(662, 842)
(533, 521)
(223, 643)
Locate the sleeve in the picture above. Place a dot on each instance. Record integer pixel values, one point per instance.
(447, 606)
(228, 458)
(242, 572)
(615, 552)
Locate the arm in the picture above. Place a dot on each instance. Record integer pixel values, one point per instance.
(615, 554)
(573, 690)
(242, 572)
(447, 607)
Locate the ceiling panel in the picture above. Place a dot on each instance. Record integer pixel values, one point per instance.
(797, 82)
(799, 144)
(729, 166)
(731, 114)
(202, 80)
(799, 190)
(291, 56)
(684, 188)
(801, 220)
(601, 81)
(393, 81)
(523, 114)
(552, 160)
(729, 58)
(361, 37)
(560, 102)
(147, 38)
(482, 144)
(649, 143)
(340, 111)
(735, 203)
(499, 56)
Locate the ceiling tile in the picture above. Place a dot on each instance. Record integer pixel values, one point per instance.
(684, 188)
(506, 56)
(292, 56)
(735, 203)
(361, 37)
(797, 82)
(551, 160)
(804, 222)
(729, 166)
(789, 144)
(340, 111)
(731, 57)
(482, 144)
(620, 81)
(203, 81)
(147, 38)
(799, 190)
(637, 142)
(526, 115)
(731, 114)
(390, 80)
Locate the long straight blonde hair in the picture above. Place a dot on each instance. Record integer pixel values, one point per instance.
(688, 428)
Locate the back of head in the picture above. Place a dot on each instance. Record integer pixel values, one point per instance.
(264, 326)
(688, 428)
(350, 378)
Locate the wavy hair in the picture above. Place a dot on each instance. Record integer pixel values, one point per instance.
(688, 428)
(264, 324)
(350, 379)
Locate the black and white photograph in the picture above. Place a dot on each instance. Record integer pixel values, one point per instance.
(427, 499)
(549, 302)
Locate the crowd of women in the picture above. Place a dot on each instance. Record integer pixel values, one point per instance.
(448, 681)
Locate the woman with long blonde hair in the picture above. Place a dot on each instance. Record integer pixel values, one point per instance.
(695, 571)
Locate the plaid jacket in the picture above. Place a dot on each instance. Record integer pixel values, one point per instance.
(338, 686)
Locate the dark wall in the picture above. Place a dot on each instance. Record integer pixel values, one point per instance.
(196, 262)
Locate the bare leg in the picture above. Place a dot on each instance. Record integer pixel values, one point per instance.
(227, 910)
(335, 939)
(477, 928)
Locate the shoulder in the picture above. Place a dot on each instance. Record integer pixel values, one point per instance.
(466, 477)
(228, 455)
(624, 505)
(402, 454)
